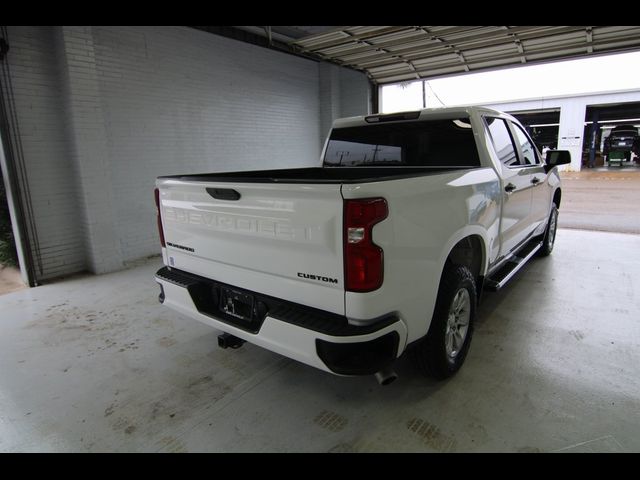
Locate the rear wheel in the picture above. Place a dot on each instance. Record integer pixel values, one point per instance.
(550, 232)
(442, 352)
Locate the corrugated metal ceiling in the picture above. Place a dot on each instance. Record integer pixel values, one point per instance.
(389, 54)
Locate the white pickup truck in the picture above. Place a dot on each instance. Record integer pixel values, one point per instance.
(384, 249)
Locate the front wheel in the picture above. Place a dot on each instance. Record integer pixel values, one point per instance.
(550, 233)
(442, 352)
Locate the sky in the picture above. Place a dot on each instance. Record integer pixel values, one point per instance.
(596, 74)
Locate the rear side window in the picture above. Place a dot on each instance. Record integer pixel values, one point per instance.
(432, 143)
(502, 142)
(528, 150)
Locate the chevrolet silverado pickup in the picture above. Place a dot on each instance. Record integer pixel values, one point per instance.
(383, 249)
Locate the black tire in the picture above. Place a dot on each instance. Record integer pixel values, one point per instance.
(549, 239)
(430, 354)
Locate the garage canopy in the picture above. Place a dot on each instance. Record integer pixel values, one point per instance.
(389, 54)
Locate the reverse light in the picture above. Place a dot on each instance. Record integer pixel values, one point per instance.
(160, 230)
(355, 235)
(363, 259)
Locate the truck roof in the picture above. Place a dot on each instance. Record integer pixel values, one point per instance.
(419, 115)
(624, 128)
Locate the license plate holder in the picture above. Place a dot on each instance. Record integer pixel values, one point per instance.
(237, 304)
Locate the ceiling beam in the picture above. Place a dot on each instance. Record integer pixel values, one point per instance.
(417, 55)
(421, 52)
(453, 68)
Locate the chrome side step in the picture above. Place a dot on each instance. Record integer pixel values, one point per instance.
(499, 278)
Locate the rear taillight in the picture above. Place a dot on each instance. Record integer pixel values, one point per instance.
(160, 230)
(363, 259)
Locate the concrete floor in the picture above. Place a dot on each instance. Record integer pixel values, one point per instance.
(605, 199)
(95, 364)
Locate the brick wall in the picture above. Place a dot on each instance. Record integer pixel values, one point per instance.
(37, 88)
(343, 93)
(105, 110)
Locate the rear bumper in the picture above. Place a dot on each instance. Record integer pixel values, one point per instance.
(321, 339)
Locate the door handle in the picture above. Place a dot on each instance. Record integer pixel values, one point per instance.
(509, 188)
(535, 180)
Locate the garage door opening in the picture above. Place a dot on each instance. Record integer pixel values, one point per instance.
(603, 195)
(10, 278)
(16, 264)
(612, 137)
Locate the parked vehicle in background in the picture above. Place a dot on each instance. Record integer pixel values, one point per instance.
(621, 143)
(384, 249)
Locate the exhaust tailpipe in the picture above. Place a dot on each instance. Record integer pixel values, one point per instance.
(226, 340)
(386, 376)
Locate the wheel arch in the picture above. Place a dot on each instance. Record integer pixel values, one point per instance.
(557, 196)
(468, 248)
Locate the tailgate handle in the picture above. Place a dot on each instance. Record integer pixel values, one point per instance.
(224, 193)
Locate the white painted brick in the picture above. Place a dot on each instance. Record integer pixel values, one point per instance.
(105, 110)
(39, 106)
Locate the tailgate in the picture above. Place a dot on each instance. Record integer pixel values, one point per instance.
(283, 240)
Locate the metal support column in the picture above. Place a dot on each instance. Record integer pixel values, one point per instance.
(595, 128)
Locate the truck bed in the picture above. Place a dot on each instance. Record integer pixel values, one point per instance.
(316, 175)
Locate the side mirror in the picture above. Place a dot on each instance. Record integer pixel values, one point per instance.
(555, 158)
